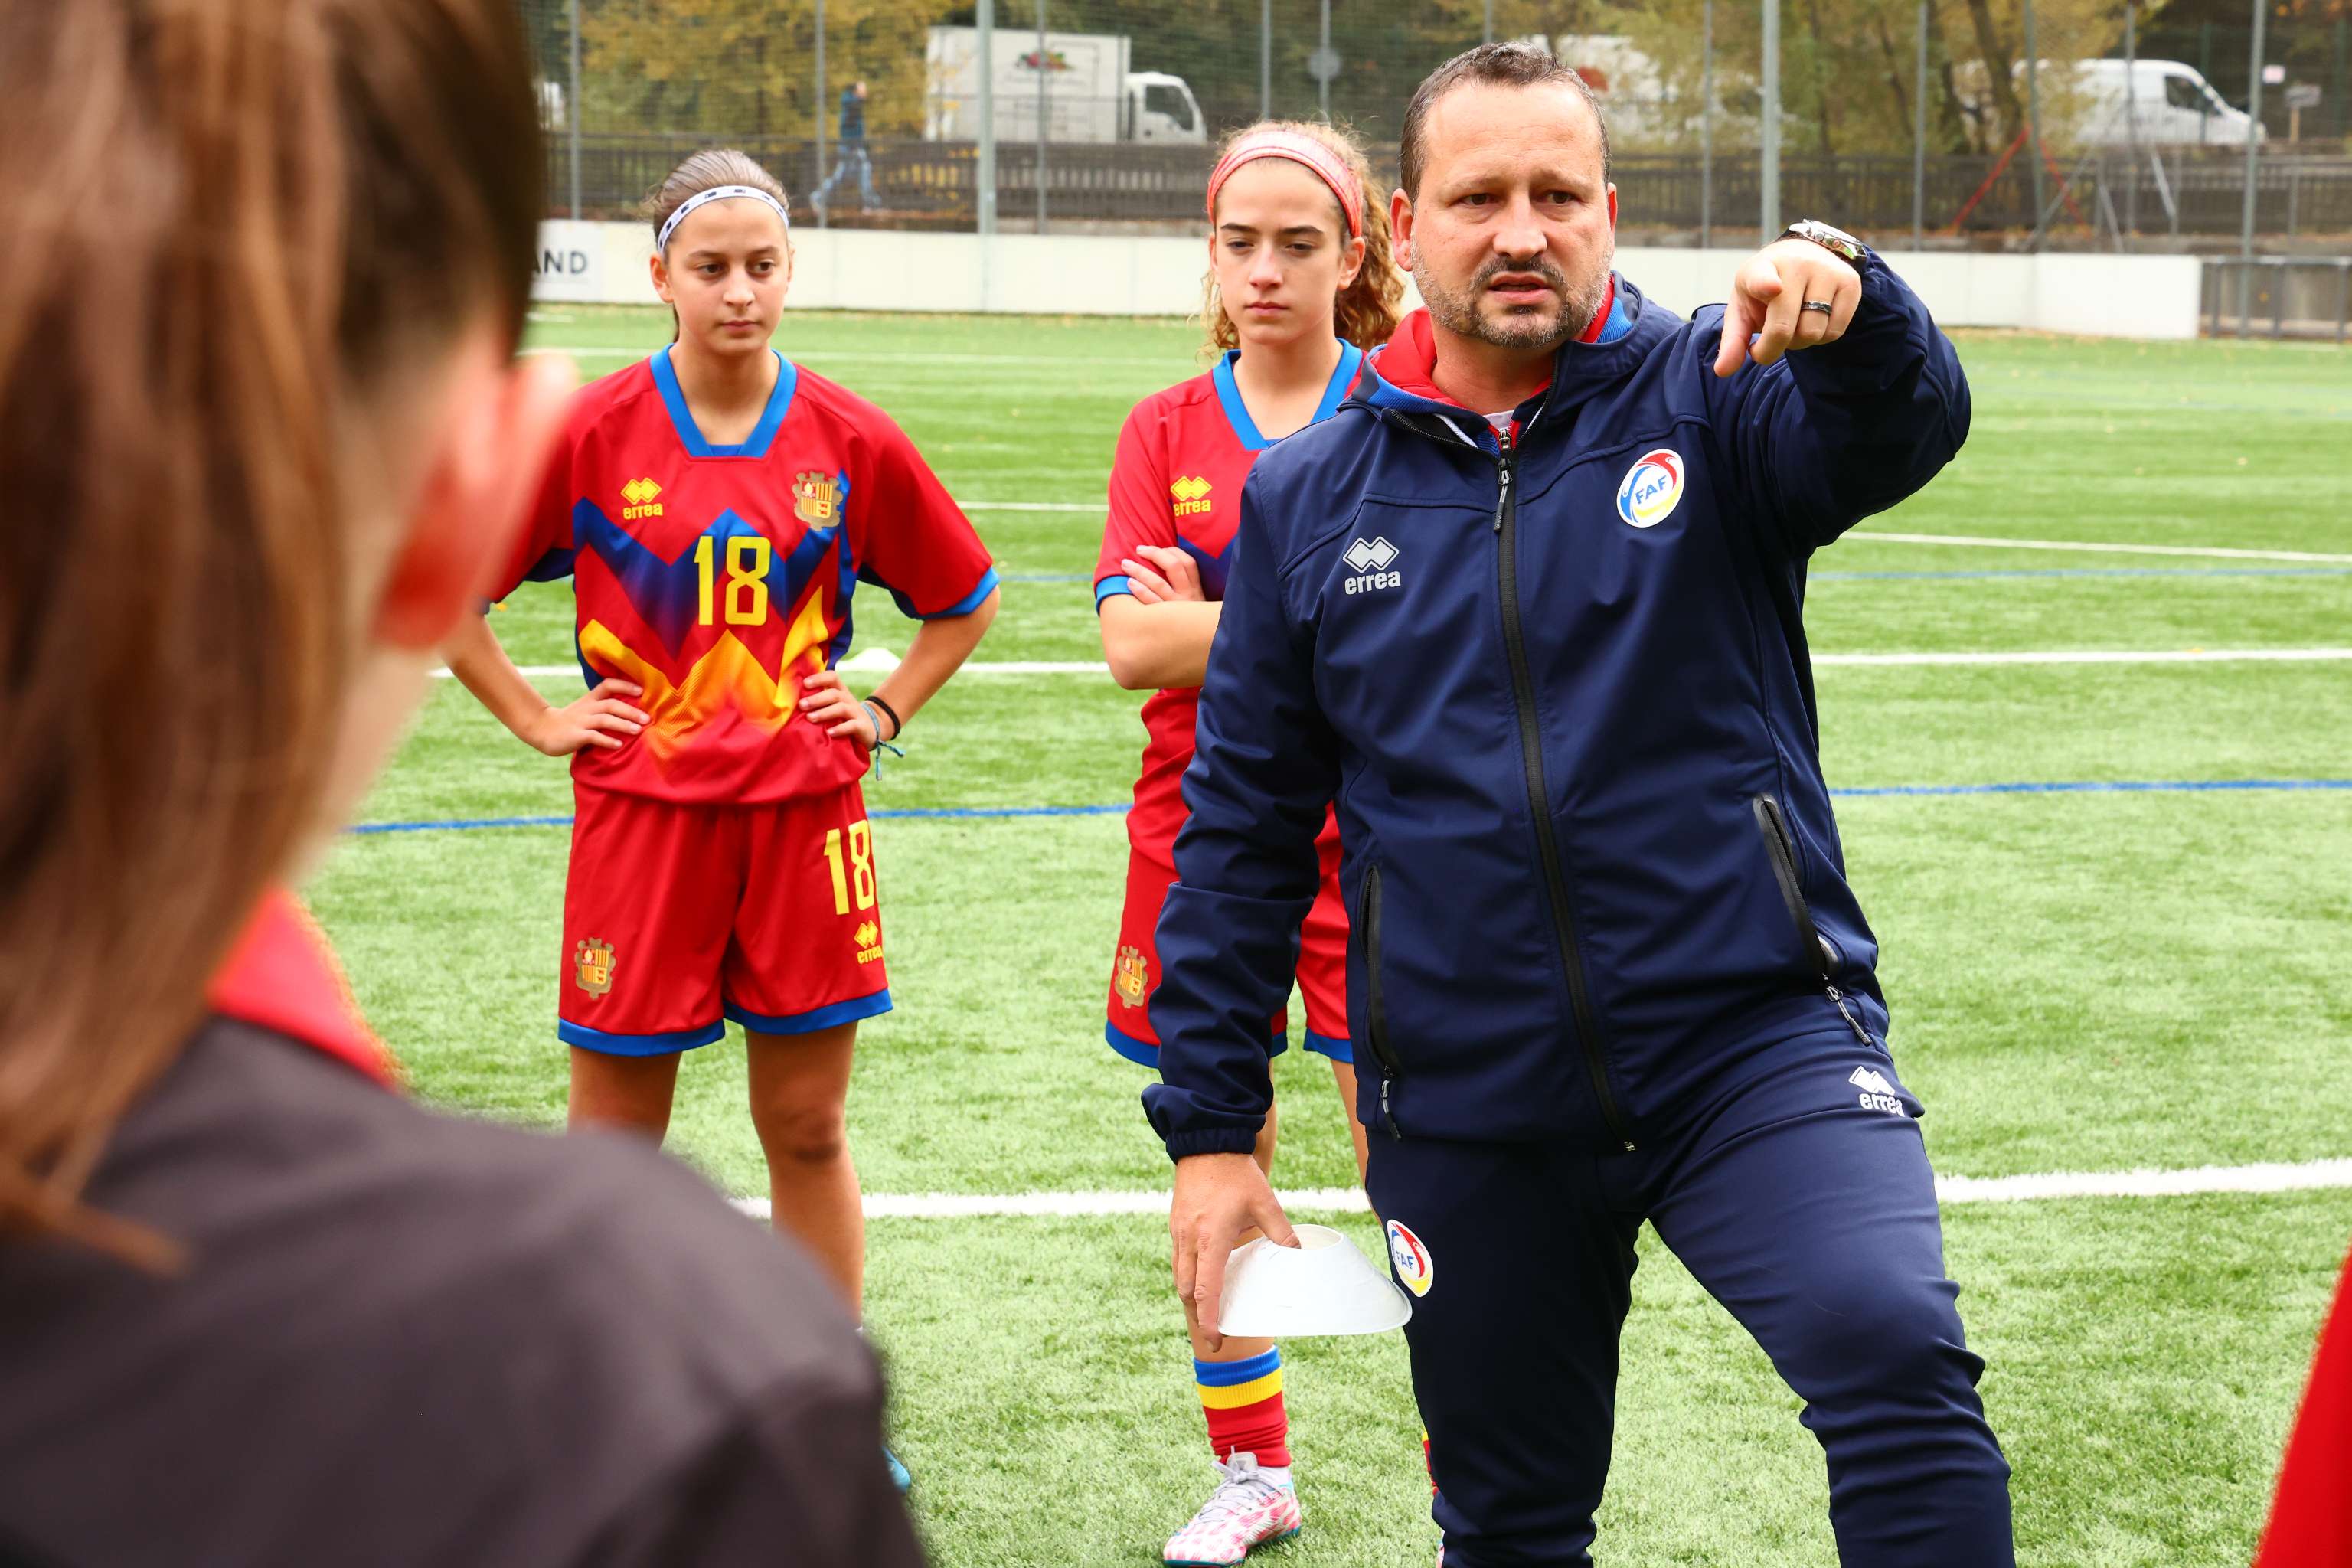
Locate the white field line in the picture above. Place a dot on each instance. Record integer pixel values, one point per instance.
(2088, 655)
(2213, 551)
(2311, 1175)
(2100, 656)
(861, 356)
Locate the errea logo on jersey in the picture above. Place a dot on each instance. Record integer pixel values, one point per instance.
(638, 496)
(1191, 493)
(1371, 562)
(1650, 488)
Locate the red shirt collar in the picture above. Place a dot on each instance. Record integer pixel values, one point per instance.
(1411, 358)
(282, 976)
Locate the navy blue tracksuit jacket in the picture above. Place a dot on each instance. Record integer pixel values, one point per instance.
(1589, 850)
(1604, 965)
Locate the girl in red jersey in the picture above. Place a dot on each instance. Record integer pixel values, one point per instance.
(715, 506)
(1301, 284)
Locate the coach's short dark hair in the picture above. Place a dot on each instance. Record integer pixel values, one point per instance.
(1502, 65)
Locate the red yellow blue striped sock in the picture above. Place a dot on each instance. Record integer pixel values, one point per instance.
(1243, 1400)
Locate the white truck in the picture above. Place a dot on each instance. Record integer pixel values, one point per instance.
(1079, 81)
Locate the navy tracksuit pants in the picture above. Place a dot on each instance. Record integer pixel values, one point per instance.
(1800, 1198)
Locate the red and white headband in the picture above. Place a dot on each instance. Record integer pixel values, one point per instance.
(1325, 165)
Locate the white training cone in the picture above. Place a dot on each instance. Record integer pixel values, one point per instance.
(1322, 1286)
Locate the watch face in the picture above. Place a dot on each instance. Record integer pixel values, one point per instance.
(1822, 234)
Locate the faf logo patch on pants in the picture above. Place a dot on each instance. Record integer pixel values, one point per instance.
(1414, 1267)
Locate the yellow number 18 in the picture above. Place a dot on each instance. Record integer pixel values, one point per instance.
(747, 579)
(861, 867)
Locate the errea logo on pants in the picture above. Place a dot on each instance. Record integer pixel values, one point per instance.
(1371, 560)
(1877, 1094)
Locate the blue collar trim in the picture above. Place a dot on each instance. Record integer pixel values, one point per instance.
(1237, 414)
(689, 435)
(1620, 317)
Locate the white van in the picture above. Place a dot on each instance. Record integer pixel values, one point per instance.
(2097, 103)
(2172, 105)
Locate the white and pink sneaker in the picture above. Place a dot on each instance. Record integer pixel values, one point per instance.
(1245, 1511)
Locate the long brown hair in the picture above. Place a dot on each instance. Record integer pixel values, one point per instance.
(233, 220)
(1367, 310)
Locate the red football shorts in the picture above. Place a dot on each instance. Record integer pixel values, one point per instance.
(676, 917)
(1322, 962)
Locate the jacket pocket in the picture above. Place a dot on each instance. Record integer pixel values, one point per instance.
(1819, 958)
(1366, 930)
(1376, 1013)
(1820, 955)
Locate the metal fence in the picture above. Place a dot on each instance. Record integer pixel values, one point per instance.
(2279, 297)
(2027, 122)
(1665, 196)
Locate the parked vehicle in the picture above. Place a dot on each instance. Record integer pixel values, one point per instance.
(1079, 83)
(2170, 105)
(2102, 103)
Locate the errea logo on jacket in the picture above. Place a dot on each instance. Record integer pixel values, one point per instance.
(1370, 561)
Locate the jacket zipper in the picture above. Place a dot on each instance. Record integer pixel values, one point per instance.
(1376, 1014)
(1540, 800)
(1780, 850)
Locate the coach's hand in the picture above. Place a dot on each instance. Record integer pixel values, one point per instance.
(1767, 303)
(601, 720)
(1220, 1199)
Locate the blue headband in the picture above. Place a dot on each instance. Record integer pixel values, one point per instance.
(718, 193)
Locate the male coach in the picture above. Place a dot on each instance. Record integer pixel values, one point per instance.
(1528, 607)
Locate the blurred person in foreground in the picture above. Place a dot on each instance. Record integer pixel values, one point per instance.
(2311, 1517)
(1528, 607)
(264, 438)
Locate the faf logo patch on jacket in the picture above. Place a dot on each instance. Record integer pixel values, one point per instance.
(1650, 488)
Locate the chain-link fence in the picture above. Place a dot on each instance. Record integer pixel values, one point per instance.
(2080, 122)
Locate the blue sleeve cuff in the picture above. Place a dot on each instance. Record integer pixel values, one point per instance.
(1121, 583)
(962, 606)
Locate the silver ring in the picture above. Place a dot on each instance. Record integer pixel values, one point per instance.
(1824, 306)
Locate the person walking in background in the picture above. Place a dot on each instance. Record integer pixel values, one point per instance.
(256, 1306)
(1528, 607)
(850, 140)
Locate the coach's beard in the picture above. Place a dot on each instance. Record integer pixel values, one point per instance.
(1529, 330)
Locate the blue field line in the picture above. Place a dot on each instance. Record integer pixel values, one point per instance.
(1927, 577)
(940, 813)
(2097, 787)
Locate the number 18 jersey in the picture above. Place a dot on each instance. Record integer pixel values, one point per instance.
(719, 577)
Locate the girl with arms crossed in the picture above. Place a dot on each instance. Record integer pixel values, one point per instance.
(716, 505)
(1301, 284)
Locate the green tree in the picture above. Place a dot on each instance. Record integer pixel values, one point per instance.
(746, 68)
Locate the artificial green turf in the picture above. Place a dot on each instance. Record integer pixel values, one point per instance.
(2134, 1354)
(2083, 981)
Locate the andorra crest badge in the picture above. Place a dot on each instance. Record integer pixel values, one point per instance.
(592, 966)
(1131, 976)
(816, 497)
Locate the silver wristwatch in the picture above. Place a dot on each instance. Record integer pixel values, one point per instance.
(1834, 241)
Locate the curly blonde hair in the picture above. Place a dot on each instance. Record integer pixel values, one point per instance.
(1367, 310)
